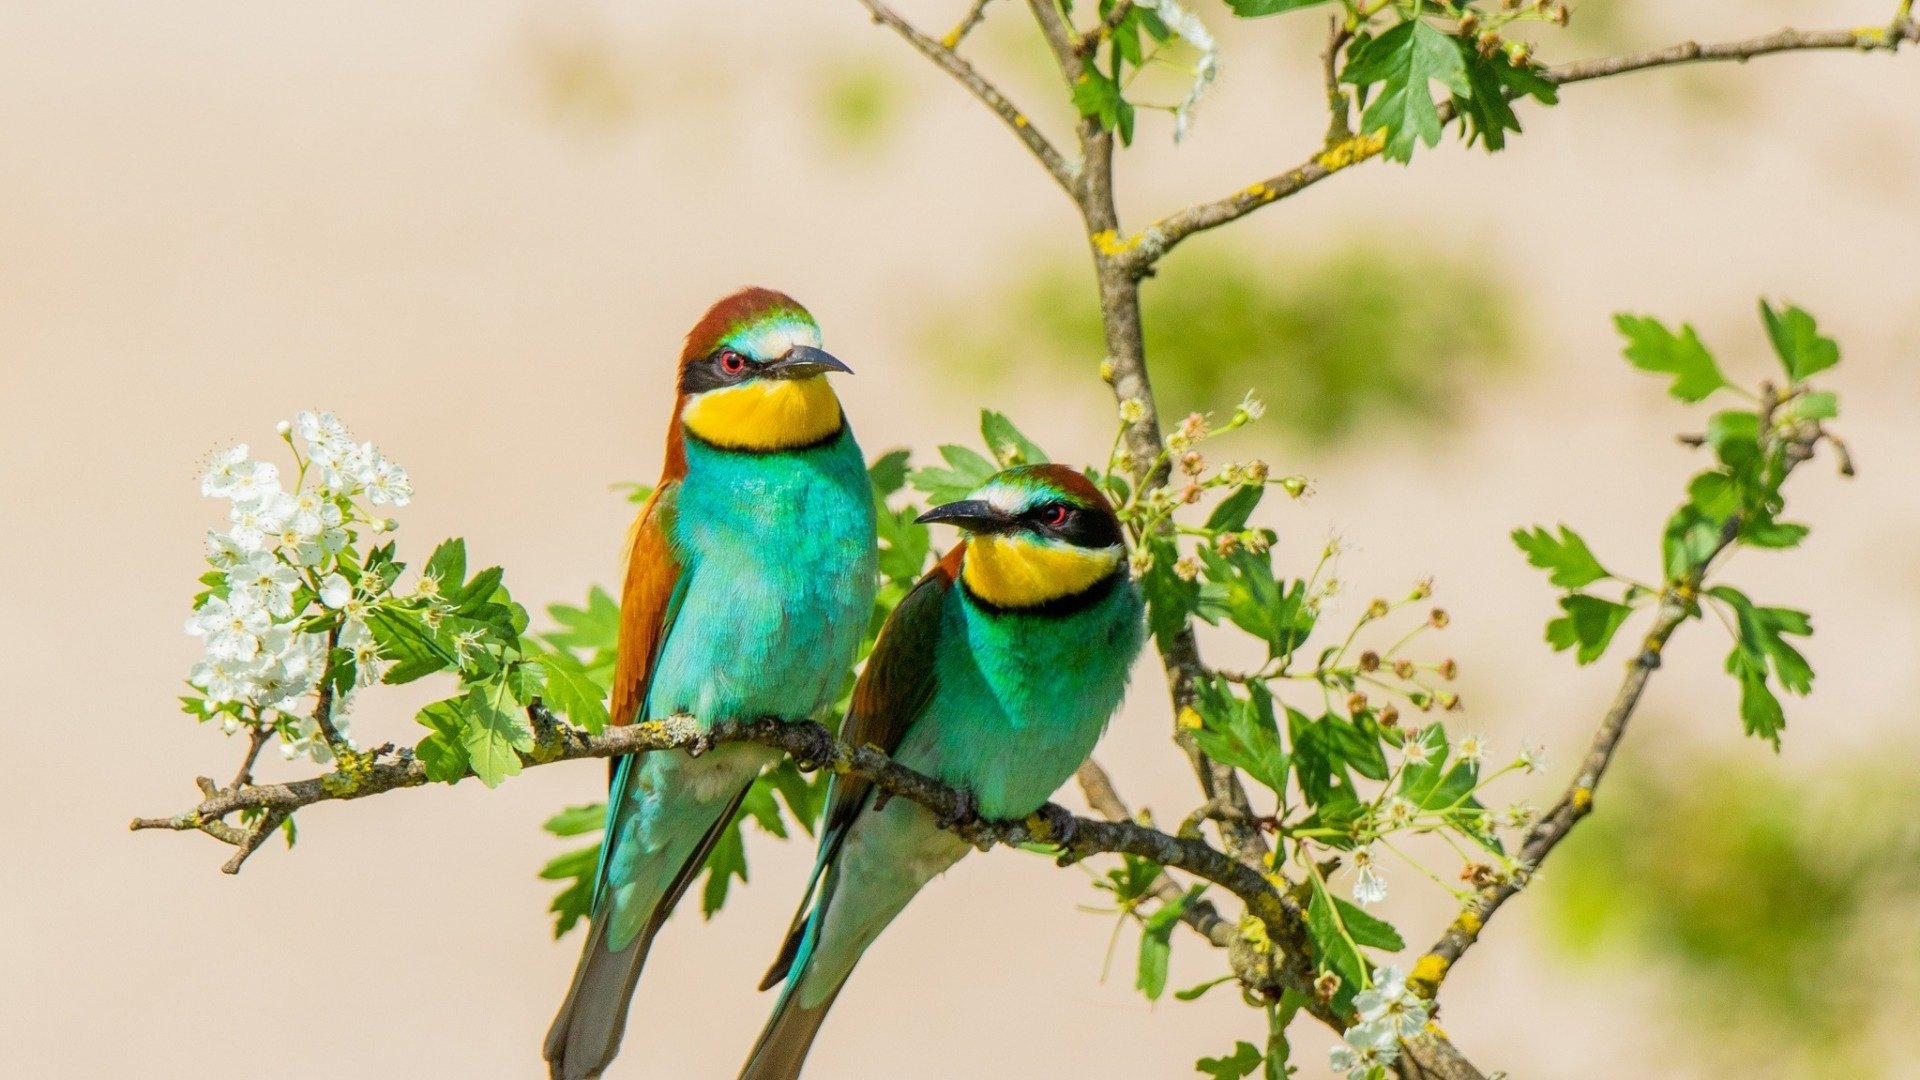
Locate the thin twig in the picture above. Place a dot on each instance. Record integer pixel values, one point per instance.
(1062, 171)
(974, 16)
(1160, 237)
(1086, 44)
(256, 739)
(1201, 915)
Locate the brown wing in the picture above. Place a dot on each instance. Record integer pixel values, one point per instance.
(897, 682)
(894, 687)
(652, 576)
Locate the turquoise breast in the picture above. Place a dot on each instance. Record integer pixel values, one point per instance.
(777, 551)
(1020, 699)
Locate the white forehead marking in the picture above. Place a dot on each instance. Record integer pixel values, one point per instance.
(1005, 499)
(773, 339)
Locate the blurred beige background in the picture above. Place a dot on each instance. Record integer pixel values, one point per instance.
(477, 230)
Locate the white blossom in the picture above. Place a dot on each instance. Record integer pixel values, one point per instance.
(1364, 1047)
(232, 628)
(1369, 887)
(319, 427)
(1404, 1011)
(389, 484)
(1533, 757)
(313, 514)
(335, 591)
(255, 519)
(1471, 748)
(223, 551)
(224, 471)
(1205, 70)
(254, 480)
(367, 664)
(265, 581)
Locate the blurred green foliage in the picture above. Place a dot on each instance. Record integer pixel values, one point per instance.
(859, 105)
(1370, 332)
(1783, 908)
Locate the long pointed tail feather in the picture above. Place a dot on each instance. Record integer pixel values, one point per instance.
(782, 1050)
(586, 1033)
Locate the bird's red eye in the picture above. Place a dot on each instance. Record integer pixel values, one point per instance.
(732, 362)
(1054, 516)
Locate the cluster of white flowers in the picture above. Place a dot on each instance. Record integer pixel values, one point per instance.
(279, 554)
(1389, 1013)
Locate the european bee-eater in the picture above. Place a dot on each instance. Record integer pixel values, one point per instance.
(749, 583)
(995, 675)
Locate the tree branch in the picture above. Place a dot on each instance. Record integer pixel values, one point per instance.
(974, 17)
(1063, 172)
(1142, 251)
(1201, 915)
(361, 775)
(1678, 603)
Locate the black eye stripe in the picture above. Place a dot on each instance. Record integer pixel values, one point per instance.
(1082, 527)
(710, 372)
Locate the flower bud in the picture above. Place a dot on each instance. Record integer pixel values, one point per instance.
(1448, 669)
(1192, 463)
(1421, 589)
(1437, 619)
(1132, 411)
(1389, 716)
(1187, 568)
(1106, 369)
(1256, 473)
(1369, 661)
(1356, 703)
(1377, 610)
(1403, 667)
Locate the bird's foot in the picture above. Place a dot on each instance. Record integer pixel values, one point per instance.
(1061, 824)
(966, 811)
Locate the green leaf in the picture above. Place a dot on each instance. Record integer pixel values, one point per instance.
(491, 736)
(727, 860)
(1241, 732)
(1760, 712)
(1358, 746)
(1652, 347)
(594, 628)
(1156, 943)
(1009, 446)
(1097, 96)
(1762, 640)
(1802, 349)
(1241, 1063)
(448, 564)
(1690, 538)
(1367, 930)
(1568, 560)
(575, 902)
(578, 820)
(888, 473)
(404, 639)
(1254, 9)
(1170, 600)
(1199, 990)
(443, 752)
(1404, 60)
(1734, 435)
(1589, 623)
(572, 693)
(1762, 532)
(1234, 510)
(1816, 405)
(1332, 950)
(965, 471)
(1486, 111)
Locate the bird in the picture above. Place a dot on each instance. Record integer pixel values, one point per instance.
(750, 582)
(995, 675)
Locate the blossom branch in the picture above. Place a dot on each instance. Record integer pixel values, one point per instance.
(1062, 171)
(1161, 236)
(1679, 602)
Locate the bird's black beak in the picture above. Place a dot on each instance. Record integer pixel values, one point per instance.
(973, 515)
(803, 362)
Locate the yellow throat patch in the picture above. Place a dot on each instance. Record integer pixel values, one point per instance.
(765, 414)
(1017, 571)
